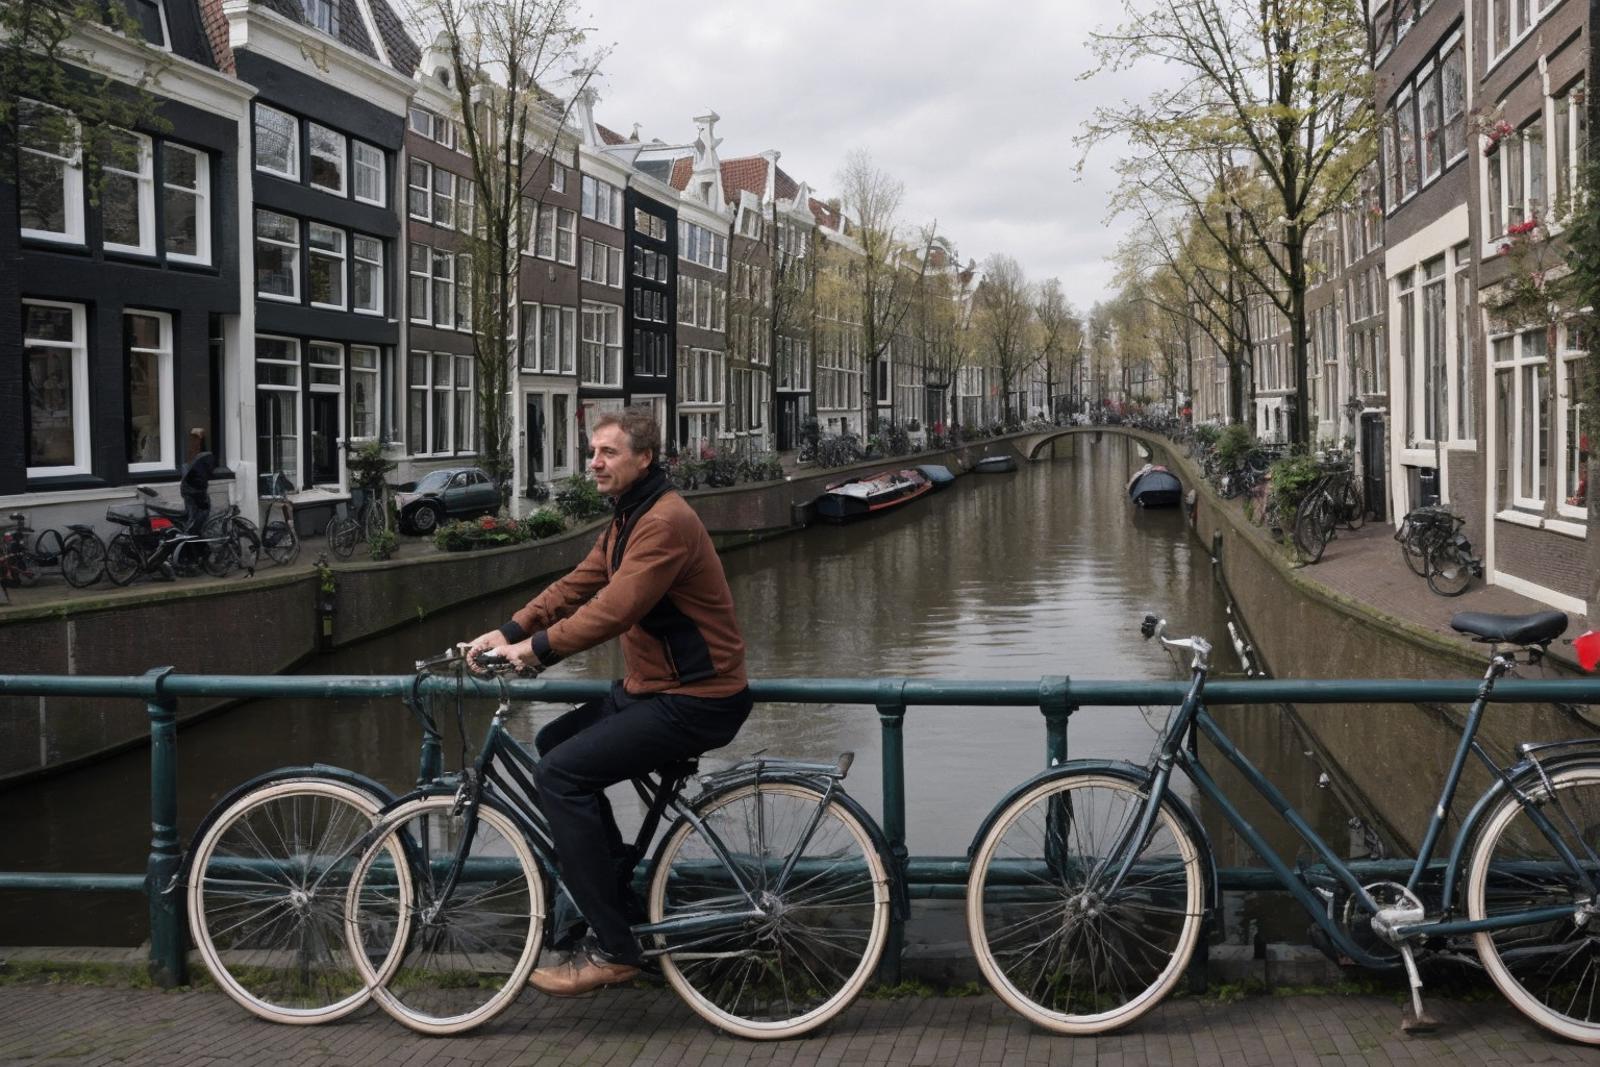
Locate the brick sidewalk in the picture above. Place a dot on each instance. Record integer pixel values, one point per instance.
(74, 1024)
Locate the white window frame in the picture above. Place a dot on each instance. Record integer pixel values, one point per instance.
(421, 120)
(1518, 365)
(380, 167)
(466, 204)
(413, 169)
(444, 198)
(360, 262)
(599, 321)
(165, 44)
(463, 413)
(202, 206)
(71, 167)
(1566, 355)
(164, 406)
(558, 177)
(444, 318)
(529, 340)
(144, 193)
(295, 261)
(419, 311)
(293, 173)
(78, 357)
(297, 373)
(343, 158)
(338, 255)
(463, 295)
(567, 236)
(370, 372)
(601, 201)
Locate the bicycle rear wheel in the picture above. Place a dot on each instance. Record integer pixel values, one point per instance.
(280, 542)
(342, 533)
(47, 548)
(1055, 942)
(123, 562)
(825, 925)
(221, 554)
(1312, 525)
(1550, 970)
(444, 958)
(83, 561)
(374, 517)
(1414, 547)
(1449, 567)
(1352, 504)
(267, 888)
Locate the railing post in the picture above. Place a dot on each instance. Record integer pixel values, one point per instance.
(1056, 702)
(168, 949)
(891, 722)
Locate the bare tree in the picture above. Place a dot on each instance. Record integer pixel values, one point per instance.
(503, 55)
(1003, 323)
(1060, 336)
(940, 322)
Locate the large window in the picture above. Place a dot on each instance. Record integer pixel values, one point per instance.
(444, 285)
(700, 376)
(420, 184)
(1569, 136)
(328, 161)
(700, 245)
(1463, 392)
(367, 274)
(326, 272)
(363, 425)
(464, 405)
(53, 344)
(150, 21)
(419, 264)
(652, 226)
(277, 255)
(185, 200)
(650, 353)
(601, 264)
(127, 194)
(278, 406)
(369, 167)
(464, 291)
(444, 202)
(1574, 442)
(566, 236)
(602, 345)
(1429, 378)
(50, 173)
(602, 202)
(147, 363)
(1516, 180)
(702, 302)
(1523, 409)
(439, 408)
(277, 142)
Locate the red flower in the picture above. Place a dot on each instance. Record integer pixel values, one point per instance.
(486, 523)
(1504, 249)
(1520, 228)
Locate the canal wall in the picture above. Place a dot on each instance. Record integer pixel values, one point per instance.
(270, 623)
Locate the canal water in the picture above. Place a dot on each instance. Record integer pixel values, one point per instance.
(1046, 571)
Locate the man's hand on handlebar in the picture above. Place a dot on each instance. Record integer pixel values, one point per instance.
(503, 657)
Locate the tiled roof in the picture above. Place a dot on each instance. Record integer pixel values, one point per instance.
(216, 27)
(403, 52)
(751, 173)
(825, 215)
(610, 136)
(682, 167)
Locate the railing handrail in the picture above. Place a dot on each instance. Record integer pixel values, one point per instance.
(1055, 696)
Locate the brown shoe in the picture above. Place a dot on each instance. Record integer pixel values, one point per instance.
(579, 975)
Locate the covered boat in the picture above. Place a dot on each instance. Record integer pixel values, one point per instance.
(936, 473)
(1004, 463)
(1153, 486)
(858, 498)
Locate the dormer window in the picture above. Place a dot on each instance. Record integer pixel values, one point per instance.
(321, 15)
(149, 20)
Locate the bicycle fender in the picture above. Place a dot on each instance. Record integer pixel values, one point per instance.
(344, 776)
(899, 893)
(1518, 774)
(1133, 774)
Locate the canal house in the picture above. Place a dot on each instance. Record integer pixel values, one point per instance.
(333, 88)
(604, 164)
(124, 315)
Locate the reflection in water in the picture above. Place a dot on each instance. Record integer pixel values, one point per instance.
(1042, 572)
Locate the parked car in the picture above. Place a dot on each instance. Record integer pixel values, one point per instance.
(451, 493)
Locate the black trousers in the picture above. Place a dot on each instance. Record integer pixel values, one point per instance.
(604, 742)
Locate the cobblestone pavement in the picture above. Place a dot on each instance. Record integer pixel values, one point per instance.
(73, 1024)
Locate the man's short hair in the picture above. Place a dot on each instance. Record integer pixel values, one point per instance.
(644, 432)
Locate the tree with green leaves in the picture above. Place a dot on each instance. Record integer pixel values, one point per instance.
(504, 57)
(1061, 337)
(1003, 325)
(1271, 113)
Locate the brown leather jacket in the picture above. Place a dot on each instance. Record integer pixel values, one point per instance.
(654, 578)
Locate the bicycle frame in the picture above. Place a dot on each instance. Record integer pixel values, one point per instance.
(1193, 716)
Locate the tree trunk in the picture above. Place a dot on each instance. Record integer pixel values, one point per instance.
(1301, 433)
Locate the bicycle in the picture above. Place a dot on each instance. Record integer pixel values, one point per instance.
(153, 541)
(1433, 546)
(80, 555)
(371, 519)
(1333, 499)
(286, 923)
(1091, 883)
(278, 538)
(231, 523)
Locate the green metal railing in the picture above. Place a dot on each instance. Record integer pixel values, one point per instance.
(928, 877)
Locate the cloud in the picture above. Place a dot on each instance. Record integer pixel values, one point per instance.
(974, 107)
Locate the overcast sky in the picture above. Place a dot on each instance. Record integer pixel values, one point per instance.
(973, 106)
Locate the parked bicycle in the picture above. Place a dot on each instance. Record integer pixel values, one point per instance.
(1434, 547)
(371, 518)
(80, 555)
(1092, 883)
(230, 522)
(1334, 500)
(278, 538)
(153, 541)
(768, 898)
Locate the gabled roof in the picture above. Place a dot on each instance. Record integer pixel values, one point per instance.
(682, 169)
(610, 136)
(825, 214)
(399, 51)
(750, 173)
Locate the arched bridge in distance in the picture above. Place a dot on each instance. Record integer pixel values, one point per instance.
(1031, 444)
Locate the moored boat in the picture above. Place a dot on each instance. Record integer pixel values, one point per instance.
(936, 473)
(1004, 463)
(858, 498)
(1153, 486)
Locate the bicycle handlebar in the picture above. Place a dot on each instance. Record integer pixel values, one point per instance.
(1156, 627)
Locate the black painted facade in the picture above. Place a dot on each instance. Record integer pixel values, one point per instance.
(650, 310)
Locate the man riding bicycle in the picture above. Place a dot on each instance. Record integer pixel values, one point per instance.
(653, 579)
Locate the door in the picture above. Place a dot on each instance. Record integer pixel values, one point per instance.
(1374, 466)
(533, 426)
(324, 438)
(788, 422)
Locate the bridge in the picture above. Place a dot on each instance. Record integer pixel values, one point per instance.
(1031, 443)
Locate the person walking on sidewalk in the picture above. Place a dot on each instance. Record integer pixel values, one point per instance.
(653, 579)
(196, 484)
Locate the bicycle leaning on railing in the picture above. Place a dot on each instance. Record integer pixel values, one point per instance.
(1092, 883)
(310, 889)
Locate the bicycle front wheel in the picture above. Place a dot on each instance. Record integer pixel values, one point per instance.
(1055, 940)
(1449, 568)
(342, 533)
(1550, 969)
(1414, 547)
(374, 518)
(123, 562)
(826, 919)
(1312, 524)
(267, 889)
(446, 939)
(280, 542)
(83, 561)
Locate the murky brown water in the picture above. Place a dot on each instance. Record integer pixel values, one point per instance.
(1046, 571)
